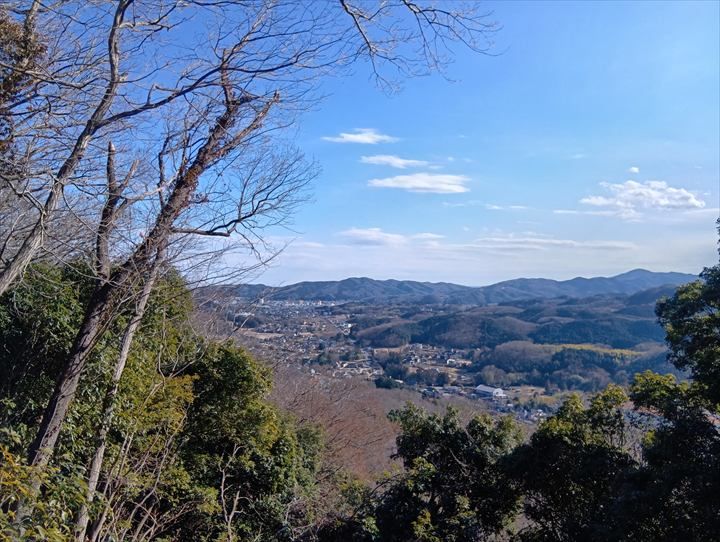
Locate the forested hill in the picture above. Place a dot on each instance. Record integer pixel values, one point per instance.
(371, 290)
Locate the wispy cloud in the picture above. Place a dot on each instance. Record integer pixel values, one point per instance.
(378, 237)
(489, 257)
(366, 136)
(492, 207)
(469, 203)
(585, 212)
(393, 161)
(428, 236)
(510, 242)
(436, 183)
(633, 169)
(372, 236)
(488, 206)
(628, 199)
(515, 242)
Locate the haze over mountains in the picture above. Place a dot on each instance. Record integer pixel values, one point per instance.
(381, 291)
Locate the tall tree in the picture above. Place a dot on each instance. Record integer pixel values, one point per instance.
(217, 172)
(125, 67)
(199, 134)
(452, 487)
(691, 318)
(572, 467)
(676, 493)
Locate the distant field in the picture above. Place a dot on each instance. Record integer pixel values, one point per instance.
(601, 349)
(260, 336)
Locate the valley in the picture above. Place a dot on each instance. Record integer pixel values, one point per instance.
(536, 349)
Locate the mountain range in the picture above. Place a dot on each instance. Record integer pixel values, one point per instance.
(394, 291)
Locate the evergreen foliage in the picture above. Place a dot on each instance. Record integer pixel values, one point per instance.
(196, 452)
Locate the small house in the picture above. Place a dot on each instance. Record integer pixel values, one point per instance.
(488, 391)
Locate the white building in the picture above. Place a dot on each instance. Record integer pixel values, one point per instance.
(489, 391)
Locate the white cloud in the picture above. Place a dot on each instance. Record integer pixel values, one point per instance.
(378, 237)
(680, 217)
(428, 236)
(511, 242)
(634, 169)
(488, 206)
(492, 207)
(628, 199)
(366, 136)
(372, 236)
(530, 241)
(392, 161)
(424, 182)
(495, 256)
(589, 213)
(469, 203)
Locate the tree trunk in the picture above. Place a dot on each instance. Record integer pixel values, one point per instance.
(83, 516)
(43, 446)
(102, 303)
(31, 244)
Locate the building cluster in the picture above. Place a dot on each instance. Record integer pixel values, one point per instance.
(317, 336)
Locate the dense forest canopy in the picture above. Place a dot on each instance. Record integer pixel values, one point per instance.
(196, 452)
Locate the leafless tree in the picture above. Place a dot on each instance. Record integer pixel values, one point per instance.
(195, 95)
(118, 67)
(109, 216)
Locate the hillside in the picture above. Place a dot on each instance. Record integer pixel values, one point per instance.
(406, 291)
(631, 282)
(617, 321)
(561, 343)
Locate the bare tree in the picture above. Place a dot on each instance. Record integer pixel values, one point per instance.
(110, 213)
(116, 67)
(195, 95)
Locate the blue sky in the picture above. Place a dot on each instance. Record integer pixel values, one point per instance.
(589, 145)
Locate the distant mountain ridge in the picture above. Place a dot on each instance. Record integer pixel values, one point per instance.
(381, 291)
